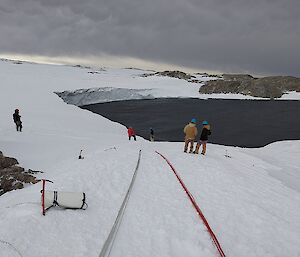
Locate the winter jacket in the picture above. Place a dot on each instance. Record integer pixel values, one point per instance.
(16, 117)
(130, 132)
(190, 131)
(205, 133)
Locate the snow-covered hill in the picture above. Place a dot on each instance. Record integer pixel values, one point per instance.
(251, 200)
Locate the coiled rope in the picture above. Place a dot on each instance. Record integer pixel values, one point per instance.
(108, 245)
(201, 215)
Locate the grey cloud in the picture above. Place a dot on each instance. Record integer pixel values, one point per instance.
(232, 36)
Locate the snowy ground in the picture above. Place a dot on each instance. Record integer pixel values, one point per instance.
(251, 200)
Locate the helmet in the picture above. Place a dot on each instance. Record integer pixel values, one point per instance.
(204, 122)
(16, 110)
(193, 120)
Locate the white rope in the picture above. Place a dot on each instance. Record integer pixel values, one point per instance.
(107, 247)
(111, 148)
(18, 204)
(9, 244)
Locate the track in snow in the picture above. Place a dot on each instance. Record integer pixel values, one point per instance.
(151, 217)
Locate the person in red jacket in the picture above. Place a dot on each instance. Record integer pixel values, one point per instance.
(131, 133)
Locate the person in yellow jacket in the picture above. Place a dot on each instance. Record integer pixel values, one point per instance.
(191, 132)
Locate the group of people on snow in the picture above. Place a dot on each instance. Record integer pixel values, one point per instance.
(131, 133)
(191, 132)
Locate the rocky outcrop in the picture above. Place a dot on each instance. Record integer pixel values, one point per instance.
(237, 77)
(182, 75)
(205, 74)
(267, 87)
(12, 176)
(172, 74)
(81, 66)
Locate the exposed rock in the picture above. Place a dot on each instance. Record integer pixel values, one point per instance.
(11, 170)
(182, 75)
(172, 74)
(98, 71)
(176, 74)
(30, 171)
(6, 161)
(94, 72)
(237, 77)
(205, 74)
(133, 68)
(267, 87)
(81, 66)
(202, 74)
(14, 177)
(196, 81)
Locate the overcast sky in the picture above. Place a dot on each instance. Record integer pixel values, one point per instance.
(254, 36)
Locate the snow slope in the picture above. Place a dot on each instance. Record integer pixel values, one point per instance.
(251, 200)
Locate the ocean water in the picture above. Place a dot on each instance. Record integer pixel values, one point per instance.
(244, 123)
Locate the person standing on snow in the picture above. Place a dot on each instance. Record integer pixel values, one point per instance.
(203, 138)
(151, 135)
(17, 120)
(191, 132)
(131, 133)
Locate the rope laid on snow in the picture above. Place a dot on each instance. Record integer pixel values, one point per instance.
(17, 204)
(201, 215)
(107, 247)
(11, 245)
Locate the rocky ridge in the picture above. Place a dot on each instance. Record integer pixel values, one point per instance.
(172, 74)
(266, 87)
(12, 176)
(181, 75)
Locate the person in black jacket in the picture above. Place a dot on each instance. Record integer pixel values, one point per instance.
(203, 138)
(17, 120)
(151, 135)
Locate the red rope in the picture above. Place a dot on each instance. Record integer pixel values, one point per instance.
(212, 235)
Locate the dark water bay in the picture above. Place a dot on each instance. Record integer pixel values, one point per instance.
(245, 123)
